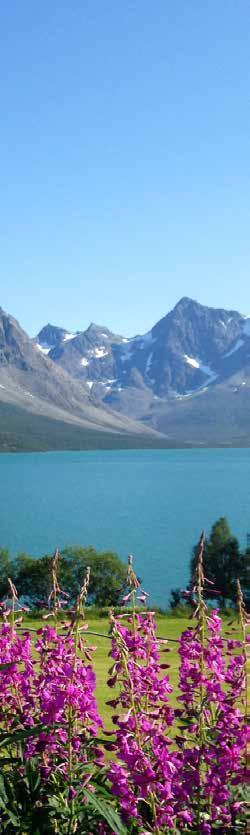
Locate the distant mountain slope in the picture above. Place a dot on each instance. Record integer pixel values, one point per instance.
(34, 384)
(219, 415)
(22, 431)
(160, 378)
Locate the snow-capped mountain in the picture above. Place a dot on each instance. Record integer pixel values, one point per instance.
(191, 348)
(188, 379)
(88, 356)
(51, 337)
(39, 401)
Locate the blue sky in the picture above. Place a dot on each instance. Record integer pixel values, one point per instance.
(124, 159)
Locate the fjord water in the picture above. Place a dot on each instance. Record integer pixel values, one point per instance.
(151, 503)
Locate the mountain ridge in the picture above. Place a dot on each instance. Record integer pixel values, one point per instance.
(193, 350)
(186, 381)
(31, 382)
(188, 341)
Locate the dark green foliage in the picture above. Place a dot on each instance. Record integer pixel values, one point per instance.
(223, 562)
(6, 570)
(20, 799)
(32, 578)
(27, 808)
(246, 579)
(107, 576)
(175, 598)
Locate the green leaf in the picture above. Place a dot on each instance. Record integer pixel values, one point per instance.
(13, 817)
(107, 812)
(19, 735)
(3, 795)
(8, 760)
(33, 775)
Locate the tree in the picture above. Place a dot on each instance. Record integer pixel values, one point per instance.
(6, 570)
(223, 562)
(245, 580)
(175, 599)
(107, 574)
(32, 576)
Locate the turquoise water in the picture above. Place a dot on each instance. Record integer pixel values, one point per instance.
(152, 504)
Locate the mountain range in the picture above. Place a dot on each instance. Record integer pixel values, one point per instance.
(184, 382)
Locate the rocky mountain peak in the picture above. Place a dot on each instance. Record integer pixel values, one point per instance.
(192, 359)
(192, 349)
(51, 337)
(94, 328)
(185, 302)
(34, 385)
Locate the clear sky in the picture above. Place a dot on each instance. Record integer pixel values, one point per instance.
(125, 159)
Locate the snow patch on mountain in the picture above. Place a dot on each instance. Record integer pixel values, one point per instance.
(127, 352)
(206, 369)
(100, 352)
(69, 336)
(149, 362)
(236, 347)
(45, 349)
(191, 361)
(84, 361)
(137, 342)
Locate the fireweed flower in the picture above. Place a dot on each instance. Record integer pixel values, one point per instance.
(55, 686)
(161, 779)
(212, 678)
(65, 687)
(45, 688)
(143, 775)
(17, 703)
(212, 753)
